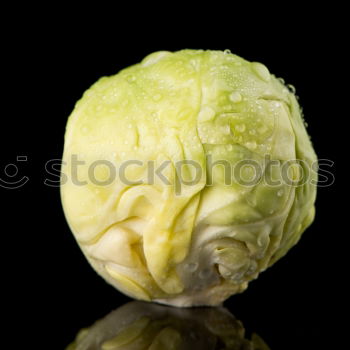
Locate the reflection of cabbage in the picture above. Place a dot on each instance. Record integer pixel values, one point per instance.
(201, 245)
(138, 326)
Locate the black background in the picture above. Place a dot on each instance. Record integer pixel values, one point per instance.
(51, 291)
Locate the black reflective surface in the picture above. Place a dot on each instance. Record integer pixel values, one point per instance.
(282, 315)
(49, 290)
(140, 325)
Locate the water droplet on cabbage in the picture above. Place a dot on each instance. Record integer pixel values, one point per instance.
(205, 114)
(235, 97)
(131, 78)
(251, 145)
(261, 71)
(240, 127)
(291, 88)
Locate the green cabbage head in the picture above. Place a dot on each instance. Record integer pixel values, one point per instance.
(187, 185)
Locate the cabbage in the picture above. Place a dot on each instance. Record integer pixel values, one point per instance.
(139, 325)
(173, 199)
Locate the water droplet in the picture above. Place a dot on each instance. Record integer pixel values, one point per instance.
(205, 273)
(129, 126)
(131, 78)
(271, 211)
(251, 145)
(240, 127)
(261, 71)
(235, 97)
(126, 142)
(252, 268)
(281, 80)
(206, 113)
(191, 267)
(135, 148)
(230, 147)
(252, 132)
(97, 191)
(291, 88)
(227, 52)
(280, 193)
(157, 97)
(154, 58)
